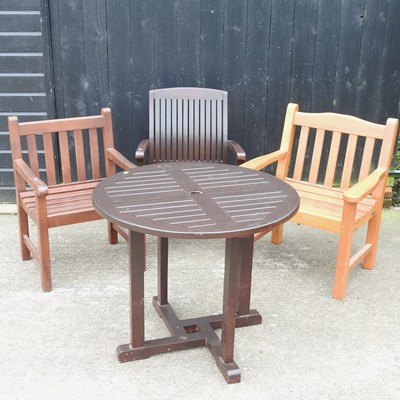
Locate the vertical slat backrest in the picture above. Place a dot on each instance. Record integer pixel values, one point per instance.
(334, 134)
(188, 124)
(77, 139)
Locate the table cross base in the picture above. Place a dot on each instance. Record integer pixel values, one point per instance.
(187, 334)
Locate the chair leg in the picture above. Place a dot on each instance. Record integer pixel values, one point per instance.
(44, 257)
(372, 238)
(277, 234)
(112, 234)
(23, 231)
(344, 251)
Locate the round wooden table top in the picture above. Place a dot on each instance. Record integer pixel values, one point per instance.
(195, 200)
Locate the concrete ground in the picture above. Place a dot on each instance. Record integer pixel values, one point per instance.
(61, 345)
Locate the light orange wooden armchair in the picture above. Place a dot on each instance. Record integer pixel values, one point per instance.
(66, 196)
(335, 194)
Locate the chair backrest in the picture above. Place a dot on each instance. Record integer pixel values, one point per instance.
(188, 124)
(64, 150)
(334, 149)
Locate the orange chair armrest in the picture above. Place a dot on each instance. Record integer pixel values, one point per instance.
(22, 169)
(267, 159)
(364, 187)
(141, 151)
(117, 158)
(237, 150)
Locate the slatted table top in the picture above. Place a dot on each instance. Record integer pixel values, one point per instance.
(195, 200)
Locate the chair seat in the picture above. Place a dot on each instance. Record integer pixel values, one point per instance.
(66, 204)
(322, 207)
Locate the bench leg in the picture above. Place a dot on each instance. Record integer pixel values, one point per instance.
(344, 251)
(23, 231)
(44, 247)
(372, 238)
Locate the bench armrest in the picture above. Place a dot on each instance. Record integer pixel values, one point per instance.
(141, 151)
(237, 150)
(364, 187)
(118, 159)
(22, 169)
(267, 159)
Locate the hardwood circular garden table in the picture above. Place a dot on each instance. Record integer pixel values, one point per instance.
(194, 200)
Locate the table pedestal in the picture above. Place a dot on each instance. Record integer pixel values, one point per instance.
(194, 332)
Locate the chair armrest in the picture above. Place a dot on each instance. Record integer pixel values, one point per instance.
(364, 187)
(141, 151)
(117, 158)
(22, 169)
(267, 159)
(237, 150)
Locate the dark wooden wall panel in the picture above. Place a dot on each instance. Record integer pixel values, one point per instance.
(279, 71)
(23, 89)
(258, 38)
(303, 52)
(326, 55)
(352, 17)
(371, 59)
(233, 78)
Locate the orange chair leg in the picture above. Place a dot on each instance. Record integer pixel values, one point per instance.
(344, 251)
(277, 235)
(372, 238)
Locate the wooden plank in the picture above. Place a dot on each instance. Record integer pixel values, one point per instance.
(301, 153)
(367, 158)
(22, 83)
(71, 73)
(257, 47)
(316, 156)
(390, 85)
(278, 71)
(303, 52)
(18, 5)
(348, 55)
(20, 43)
(332, 159)
(120, 73)
(348, 162)
(142, 68)
(234, 65)
(368, 102)
(326, 55)
(14, 102)
(95, 85)
(33, 154)
(65, 160)
(80, 155)
(94, 153)
(18, 22)
(211, 43)
(49, 158)
(179, 130)
(21, 63)
(176, 26)
(22, 116)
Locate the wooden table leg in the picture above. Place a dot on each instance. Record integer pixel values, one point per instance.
(162, 270)
(246, 254)
(227, 366)
(137, 264)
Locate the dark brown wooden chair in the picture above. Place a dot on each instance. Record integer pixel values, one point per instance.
(49, 190)
(333, 196)
(188, 124)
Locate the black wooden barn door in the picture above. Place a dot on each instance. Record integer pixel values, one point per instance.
(25, 84)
